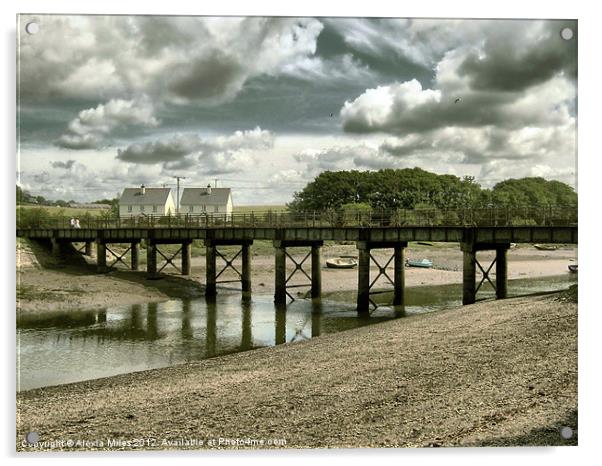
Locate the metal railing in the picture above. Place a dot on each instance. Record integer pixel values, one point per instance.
(487, 216)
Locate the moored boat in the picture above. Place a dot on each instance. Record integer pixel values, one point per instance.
(545, 247)
(341, 263)
(424, 263)
(573, 268)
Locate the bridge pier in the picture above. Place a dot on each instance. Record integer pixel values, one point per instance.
(469, 271)
(363, 273)
(135, 255)
(151, 259)
(280, 275)
(212, 274)
(88, 248)
(186, 257)
(101, 256)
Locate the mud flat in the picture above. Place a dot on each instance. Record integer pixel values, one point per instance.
(493, 373)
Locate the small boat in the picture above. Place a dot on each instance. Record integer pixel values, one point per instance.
(573, 268)
(425, 243)
(545, 247)
(341, 263)
(424, 263)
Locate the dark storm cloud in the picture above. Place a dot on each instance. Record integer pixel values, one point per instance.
(66, 165)
(514, 62)
(213, 155)
(211, 76)
(171, 150)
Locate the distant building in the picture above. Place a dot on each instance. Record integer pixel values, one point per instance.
(144, 201)
(76, 205)
(209, 201)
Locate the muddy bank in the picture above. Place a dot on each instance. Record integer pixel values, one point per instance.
(44, 283)
(494, 373)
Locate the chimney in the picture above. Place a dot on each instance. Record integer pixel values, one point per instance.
(142, 190)
(208, 189)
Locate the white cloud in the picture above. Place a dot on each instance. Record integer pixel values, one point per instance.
(93, 126)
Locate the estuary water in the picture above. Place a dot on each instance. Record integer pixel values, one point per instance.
(71, 346)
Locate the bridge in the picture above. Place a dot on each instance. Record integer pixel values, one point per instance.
(308, 232)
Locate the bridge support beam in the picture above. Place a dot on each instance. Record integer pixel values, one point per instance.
(501, 272)
(363, 273)
(135, 255)
(101, 257)
(210, 269)
(246, 268)
(316, 271)
(281, 280)
(399, 276)
(243, 273)
(88, 248)
(279, 275)
(151, 259)
(469, 272)
(186, 257)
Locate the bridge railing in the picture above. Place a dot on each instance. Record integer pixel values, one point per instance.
(486, 216)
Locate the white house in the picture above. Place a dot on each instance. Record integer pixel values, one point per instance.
(209, 201)
(146, 201)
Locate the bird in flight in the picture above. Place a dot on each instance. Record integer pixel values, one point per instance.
(457, 100)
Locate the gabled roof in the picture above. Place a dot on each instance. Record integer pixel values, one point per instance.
(196, 196)
(154, 196)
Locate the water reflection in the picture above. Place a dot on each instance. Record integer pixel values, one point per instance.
(61, 347)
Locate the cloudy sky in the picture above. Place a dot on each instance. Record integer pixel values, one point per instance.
(265, 104)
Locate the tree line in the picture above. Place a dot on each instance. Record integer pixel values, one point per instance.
(414, 188)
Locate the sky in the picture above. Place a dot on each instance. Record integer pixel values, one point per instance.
(263, 105)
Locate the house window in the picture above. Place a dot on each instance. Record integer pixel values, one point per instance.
(141, 208)
(129, 208)
(155, 208)
(191, 208)
(217, 208)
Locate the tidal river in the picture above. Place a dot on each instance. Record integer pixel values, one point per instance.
(62, 347)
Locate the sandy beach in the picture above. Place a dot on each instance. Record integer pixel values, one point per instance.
(493, 373)
(47, 284)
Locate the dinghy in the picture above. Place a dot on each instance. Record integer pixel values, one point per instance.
(424, 263)
(573, 268)
(341, 263)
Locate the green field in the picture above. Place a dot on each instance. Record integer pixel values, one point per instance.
(64, 211)
(243, 209)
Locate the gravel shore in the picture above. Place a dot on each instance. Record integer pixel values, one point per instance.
(493, 373)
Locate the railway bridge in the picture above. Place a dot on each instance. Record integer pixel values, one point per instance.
(310, 236)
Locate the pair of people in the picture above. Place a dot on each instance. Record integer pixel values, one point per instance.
(74, 223)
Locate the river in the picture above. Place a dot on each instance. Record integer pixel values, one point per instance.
(62, 347)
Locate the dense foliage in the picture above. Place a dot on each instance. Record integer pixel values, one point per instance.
(416, 188)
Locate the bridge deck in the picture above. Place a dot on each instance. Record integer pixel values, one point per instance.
(482, 234)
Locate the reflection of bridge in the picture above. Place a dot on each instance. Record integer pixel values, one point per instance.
(471, 239)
